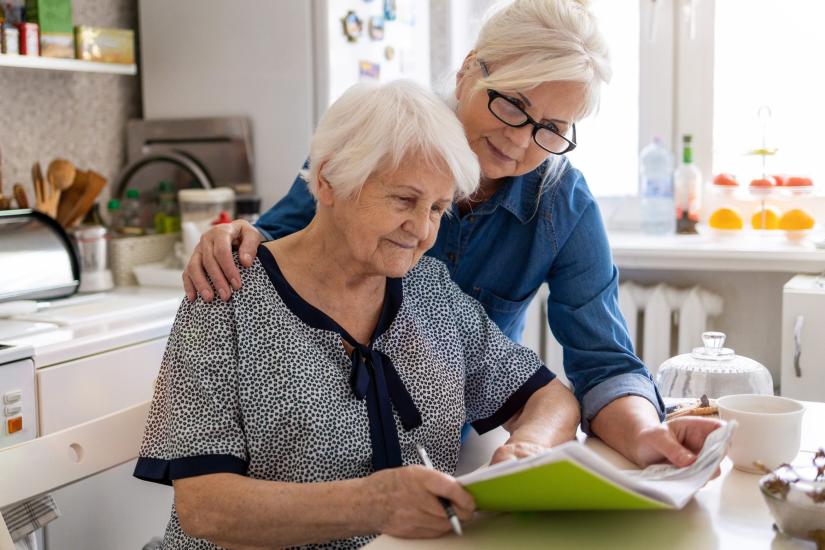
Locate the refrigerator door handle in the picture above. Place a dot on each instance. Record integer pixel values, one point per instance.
(797, 345)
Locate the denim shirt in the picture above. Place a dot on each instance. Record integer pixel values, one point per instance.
(503, 250)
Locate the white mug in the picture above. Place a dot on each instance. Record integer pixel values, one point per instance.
(769, 430)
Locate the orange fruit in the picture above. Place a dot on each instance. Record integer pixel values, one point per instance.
(771, 218)
(726, 218)
(796, 220)
(727, 180)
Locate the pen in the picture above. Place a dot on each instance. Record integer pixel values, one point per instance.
(422, 453)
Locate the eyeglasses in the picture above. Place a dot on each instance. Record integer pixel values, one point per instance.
(546, 136)
(508, 111)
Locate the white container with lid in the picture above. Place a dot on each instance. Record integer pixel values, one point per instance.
(199, 208)
(713, 370)
(206, 205)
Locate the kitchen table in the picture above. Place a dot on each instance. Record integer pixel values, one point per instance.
(728, 513)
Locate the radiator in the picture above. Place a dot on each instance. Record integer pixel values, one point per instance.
(662, 321)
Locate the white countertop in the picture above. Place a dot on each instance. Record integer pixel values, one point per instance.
(710, 253)
(120, 317)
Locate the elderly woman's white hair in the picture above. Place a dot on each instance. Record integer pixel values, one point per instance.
(372, 128)
(529, 42)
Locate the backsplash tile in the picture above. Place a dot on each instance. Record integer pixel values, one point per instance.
(78, 116)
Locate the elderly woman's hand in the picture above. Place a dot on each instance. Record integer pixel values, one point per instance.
(516, 449)
(214, 254)
(405, 502)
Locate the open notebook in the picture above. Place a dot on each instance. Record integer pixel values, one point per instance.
(573, 477)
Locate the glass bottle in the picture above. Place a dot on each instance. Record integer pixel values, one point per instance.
(133, 214)
(687, 183)
(167, 215)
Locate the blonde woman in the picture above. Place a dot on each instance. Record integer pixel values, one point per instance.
(536, 69)
(290, 414)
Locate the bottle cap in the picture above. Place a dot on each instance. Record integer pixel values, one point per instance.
(132, 194)
(113, 204)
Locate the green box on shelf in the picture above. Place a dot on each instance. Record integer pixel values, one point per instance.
(54, 18)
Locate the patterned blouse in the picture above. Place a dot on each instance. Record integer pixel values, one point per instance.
(262, 385)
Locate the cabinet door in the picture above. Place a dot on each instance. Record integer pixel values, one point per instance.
(111, 509)
(76, 391)
(803, 346)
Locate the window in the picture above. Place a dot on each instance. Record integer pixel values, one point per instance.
(768, 53)
(609, 139)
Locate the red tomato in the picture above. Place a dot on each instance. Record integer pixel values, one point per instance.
(798, 181)
(763, 182)
(728, 180)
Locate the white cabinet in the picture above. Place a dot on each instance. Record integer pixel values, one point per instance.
(803, 338)
(112, 509)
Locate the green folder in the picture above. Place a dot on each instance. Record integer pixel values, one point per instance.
(557, 486)
(573, 476)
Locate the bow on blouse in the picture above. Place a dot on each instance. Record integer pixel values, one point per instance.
(375, 379)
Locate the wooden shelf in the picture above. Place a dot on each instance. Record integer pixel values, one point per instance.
(55, 64)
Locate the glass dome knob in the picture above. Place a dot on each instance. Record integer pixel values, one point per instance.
(714, 341)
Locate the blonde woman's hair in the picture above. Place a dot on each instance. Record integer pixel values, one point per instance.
(526, 43)
(373, 127)
(529, 42)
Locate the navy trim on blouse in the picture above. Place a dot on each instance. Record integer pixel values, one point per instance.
(538, 380)
(314, 317)
(165, 471)
(373, 377)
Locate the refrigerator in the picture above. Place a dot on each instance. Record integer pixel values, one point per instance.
(278, 63)
(803, 347)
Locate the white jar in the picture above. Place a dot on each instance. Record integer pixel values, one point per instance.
(199, 208)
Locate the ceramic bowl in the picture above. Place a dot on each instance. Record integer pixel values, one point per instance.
(795, 512)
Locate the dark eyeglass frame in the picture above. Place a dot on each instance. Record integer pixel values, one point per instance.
(493, 95)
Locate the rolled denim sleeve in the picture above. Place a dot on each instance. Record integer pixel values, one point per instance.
(583, 313)
(292, 213)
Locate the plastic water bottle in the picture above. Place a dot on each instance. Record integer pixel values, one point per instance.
(656, 189)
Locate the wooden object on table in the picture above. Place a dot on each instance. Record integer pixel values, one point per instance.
(70, 197)
(20, 196)
(60, 175)
(92, 184)
(44, 198)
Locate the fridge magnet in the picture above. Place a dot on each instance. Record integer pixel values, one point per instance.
(390, 10)
(353, 26)
(389, 53)
(376, 27)
(368, 70)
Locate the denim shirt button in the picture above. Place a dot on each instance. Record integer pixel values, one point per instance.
(471, 219)
(451, 256)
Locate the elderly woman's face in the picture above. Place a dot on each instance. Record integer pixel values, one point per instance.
(395, 218)
(506, 151)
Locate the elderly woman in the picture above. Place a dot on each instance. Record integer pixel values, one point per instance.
(290, 414)
(536, 70)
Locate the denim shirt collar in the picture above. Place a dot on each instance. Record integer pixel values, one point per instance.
(517, 195)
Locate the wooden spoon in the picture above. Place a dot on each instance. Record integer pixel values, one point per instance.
(60, 175)
(45, 195)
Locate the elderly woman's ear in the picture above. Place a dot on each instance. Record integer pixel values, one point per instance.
(464, 70)
(325, 194)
